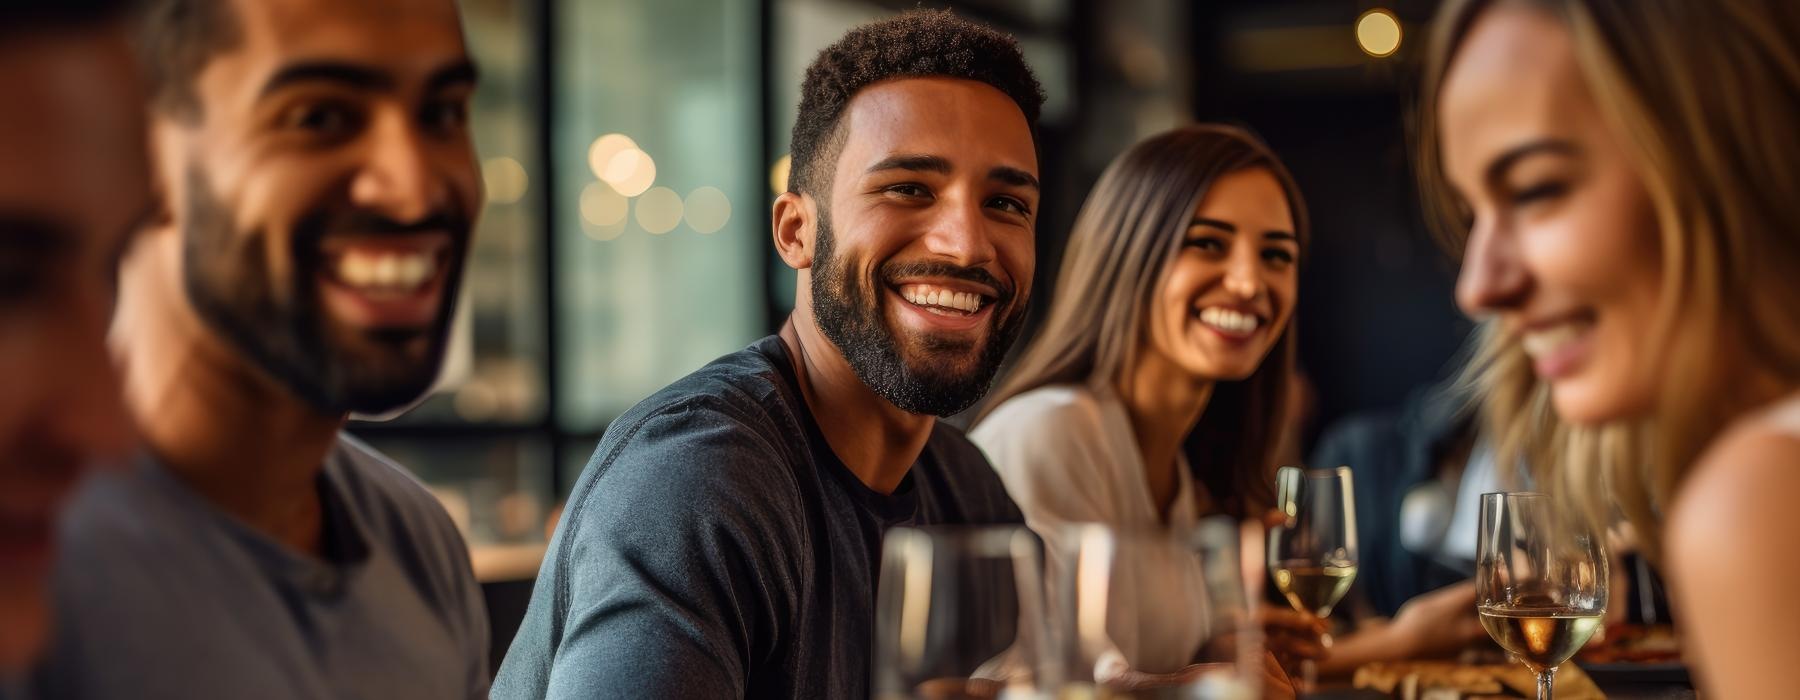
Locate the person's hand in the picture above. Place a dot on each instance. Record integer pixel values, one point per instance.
(1277, 685)
(1291, 636)
(1438, 623)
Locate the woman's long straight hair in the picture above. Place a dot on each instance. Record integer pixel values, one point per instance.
(1124, 240)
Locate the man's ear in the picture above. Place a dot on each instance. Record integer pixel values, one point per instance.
(794, 229)
(164, 141)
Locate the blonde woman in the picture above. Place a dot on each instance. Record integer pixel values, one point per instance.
(1624, 180)
(1170, 325)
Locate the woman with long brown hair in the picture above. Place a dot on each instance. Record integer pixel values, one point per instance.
(1170, 325)
(1623, 178)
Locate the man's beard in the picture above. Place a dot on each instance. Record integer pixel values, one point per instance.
(939, 380)
(334, 368)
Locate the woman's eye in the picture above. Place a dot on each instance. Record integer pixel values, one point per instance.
(1539, 193)
(1210, 245)
(1278, 256)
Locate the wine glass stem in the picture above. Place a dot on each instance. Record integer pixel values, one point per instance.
(1546, 682)
(1309, 669)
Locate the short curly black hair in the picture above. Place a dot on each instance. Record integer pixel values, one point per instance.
(176, 40)
(917, 43)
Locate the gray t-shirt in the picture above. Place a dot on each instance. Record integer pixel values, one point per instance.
(162, 595)
(715, 547)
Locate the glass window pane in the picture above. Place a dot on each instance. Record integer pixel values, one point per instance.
(661, 214)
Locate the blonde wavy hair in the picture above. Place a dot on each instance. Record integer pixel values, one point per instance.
(1707, 98)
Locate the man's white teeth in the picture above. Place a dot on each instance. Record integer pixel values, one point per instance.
(1228, 320)
(1544, 341)
(927, 295)
(385, 270)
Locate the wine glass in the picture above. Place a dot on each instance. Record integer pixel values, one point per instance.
(1152, 613)
(1312, 553)
(960, 615)
(1540, 581)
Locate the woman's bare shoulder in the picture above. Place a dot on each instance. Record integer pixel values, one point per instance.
(1747, 481)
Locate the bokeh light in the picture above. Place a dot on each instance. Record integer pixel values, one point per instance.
(778, 173)
(708, 209)
(604, 148)
(659, 210)
(631, 172)
(601, 206)
(1378, 33)
(505, 179)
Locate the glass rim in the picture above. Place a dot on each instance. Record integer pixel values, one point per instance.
(1498, 495)
(1317, 472)
(990, 540)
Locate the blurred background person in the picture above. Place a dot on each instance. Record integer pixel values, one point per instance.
(72, 186)
(1621, 179)
(316, 187)
(1420, 472)
(1186, 255)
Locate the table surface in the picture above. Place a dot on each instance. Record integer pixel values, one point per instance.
(1615, 690)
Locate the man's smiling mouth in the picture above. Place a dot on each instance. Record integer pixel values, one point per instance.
(943, 301)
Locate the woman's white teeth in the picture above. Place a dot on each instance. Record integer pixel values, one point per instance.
(927, 295)
(1544, 341)
(1228, 320)
(385, 270)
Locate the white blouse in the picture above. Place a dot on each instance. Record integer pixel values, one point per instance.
(1067, 455)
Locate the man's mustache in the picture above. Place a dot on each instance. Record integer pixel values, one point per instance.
(902, 270)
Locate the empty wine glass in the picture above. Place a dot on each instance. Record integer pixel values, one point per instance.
(1153, 613)
(960, 614)
(1540, 581)
(1312, 553)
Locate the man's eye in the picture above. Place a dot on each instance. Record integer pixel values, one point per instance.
(907, 189)
(324, 118)
(18, 285)
(446, 116)
(1010, 204)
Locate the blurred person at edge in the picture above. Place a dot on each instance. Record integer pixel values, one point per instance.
(316, 183)
(723, 541)
(1623, 180)
(72, 186)
(1420, 473)
(1173, 337)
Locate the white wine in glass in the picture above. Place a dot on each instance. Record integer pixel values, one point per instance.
(1312, 588)
(1312, 553)
(1540, 582)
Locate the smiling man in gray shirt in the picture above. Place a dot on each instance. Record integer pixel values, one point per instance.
(724, 540)
(317, 185)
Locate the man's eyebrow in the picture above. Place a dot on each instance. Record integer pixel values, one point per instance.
(345, 74)
(1501, 163)
(1014, 176)
(454, 75)
(919, 162)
